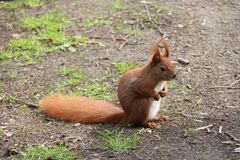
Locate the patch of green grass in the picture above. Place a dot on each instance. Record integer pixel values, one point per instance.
(49, 36)
(1, 132)
(74, 77)
(76, 40)
(43, 153)
(33, 3)
(66, 70)
(95, 90)
(192, 129)
(118, 5)
(30, 22)
(5, 55)
(12, 74)
(9, 100)
(72, 82)
(143, 18)
(176, 108)
(49, 26)
(55, 37)
(131, 32)
(50, 29)
(184, 90)
(95, 22)
(19, 3)
(81, 55)
(54, 20)
(117, 141)
(23, 108)
(125, 29)
(213, 110)
(70, 43)
(161, 8)
(123, 67)
(2, 84)
(174, 112)
(189, 130)
(173, 85)
(11, 5)
(29, 44)
(28, 48)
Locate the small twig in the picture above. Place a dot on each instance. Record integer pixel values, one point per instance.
(198, 102)
(21, 101)
(220, 129)
(124, 43)
(205, 67)
(232, 137)
(3, 96)
(111, 38)
(227, 142)
(148, 14)
(204, 127)
(208, 130)
(125, 38)
(227, 87)
(234, 82)
(183, 61)
(153, 21)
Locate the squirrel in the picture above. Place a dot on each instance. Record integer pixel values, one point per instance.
(139, 92)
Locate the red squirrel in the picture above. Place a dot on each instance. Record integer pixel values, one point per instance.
(139, 93)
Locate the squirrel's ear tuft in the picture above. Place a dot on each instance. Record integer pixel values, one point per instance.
(166, 47)
(156, 53)
(155, 49)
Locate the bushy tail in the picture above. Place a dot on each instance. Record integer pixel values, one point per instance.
(81, 109)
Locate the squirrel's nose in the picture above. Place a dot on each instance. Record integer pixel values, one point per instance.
(174, 76)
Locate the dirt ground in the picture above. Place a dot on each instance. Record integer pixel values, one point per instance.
(204, 32)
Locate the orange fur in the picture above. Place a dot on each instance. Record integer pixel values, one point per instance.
(80, 109)
(136, 93)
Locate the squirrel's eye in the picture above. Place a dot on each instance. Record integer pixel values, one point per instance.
(163, 68)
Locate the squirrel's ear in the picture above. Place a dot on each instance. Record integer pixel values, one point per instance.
(166, 47)
(156, 53)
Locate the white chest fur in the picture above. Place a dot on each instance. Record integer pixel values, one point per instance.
(155, 105)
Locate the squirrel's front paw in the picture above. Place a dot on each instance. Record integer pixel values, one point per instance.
(156, 96)
(163, 92)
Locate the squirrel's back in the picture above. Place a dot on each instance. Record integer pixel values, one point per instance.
(80, 109)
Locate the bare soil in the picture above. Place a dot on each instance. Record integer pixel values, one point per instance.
(204, 32)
